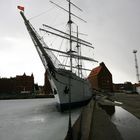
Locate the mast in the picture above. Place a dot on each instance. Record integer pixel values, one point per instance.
(70, 50)
(78, 53)
(70, 25)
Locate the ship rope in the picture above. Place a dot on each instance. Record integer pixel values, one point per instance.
(42, 13)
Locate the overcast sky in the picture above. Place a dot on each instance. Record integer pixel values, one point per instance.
(113, 26)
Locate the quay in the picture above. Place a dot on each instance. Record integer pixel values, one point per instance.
(94, 124)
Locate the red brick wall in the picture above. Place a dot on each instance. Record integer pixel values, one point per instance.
(105, 81)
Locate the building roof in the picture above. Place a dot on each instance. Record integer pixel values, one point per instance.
(97, 70)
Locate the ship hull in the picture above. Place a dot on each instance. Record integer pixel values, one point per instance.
(80, 90)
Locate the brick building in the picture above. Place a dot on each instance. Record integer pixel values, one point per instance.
(101, 78)
(18, 84)
(24, 84)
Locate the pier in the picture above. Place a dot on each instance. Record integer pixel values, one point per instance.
(94, 124)
(98, 122)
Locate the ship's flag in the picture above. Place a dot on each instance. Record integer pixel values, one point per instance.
(20, 8)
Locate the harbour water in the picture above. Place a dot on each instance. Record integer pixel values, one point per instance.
(39, 119)
(127, 124)
(33, 119)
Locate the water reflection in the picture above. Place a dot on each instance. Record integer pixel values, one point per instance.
(127, 124)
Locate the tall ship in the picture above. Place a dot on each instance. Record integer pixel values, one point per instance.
(68, 86)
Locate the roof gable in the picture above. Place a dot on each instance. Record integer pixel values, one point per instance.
(98, 69)
(95, 71)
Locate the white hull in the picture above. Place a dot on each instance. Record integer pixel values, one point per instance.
(80, 88)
